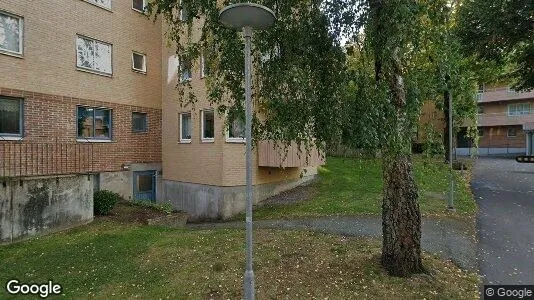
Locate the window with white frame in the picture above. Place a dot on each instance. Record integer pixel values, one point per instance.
(185, 71)
(185, 127)
(11, 33)
(236, 130)
(183, 12)
(101, 3)
(139, 62)
(207, 125)
(139, 5)
(518, 109)
(11, 117)
(202, 66)
(512, 132)
(93, 123)
(93, 55)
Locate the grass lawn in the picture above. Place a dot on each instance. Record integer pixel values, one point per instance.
(110, 259)
(352, 186)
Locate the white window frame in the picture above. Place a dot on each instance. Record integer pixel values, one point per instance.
(144, 62)
(508, 133)
(101, 6)
(516, 112)
(181, 70)
(202, 138)
(21, 36)
(145, 2)
(234, 139)
(202, 66)
(90, 70)
(182, 139)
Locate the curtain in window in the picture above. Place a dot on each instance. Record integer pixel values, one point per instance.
(9, 33)
(10, 116)
(93, 55)
(186, 126)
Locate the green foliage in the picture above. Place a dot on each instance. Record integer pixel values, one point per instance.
(298, 67)
(104, 201)
(164, 207)
(501, 33)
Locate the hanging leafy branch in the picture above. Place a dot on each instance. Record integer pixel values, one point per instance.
(298, 68)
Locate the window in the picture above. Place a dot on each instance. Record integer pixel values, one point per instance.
(11, 34)
(93, 55)
(208, 125)
(202, 66)
(481, 132)
(139, 5)
(139, 122)
(183, 13)
(518, 109)
(11, 116)
(185, 71)
(236, 130)
(185, 127)
(94, 123)
(512, 132)
(480, 109)
(139, 62)
(102, 3)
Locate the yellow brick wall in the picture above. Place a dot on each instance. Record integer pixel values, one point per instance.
(49, 61)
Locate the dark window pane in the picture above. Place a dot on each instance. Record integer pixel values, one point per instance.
(10, 114)
(209, 125)
(139, 122)
(186, 126)
(144, 183)
(85, 122)
(139, 62)
(138, 4)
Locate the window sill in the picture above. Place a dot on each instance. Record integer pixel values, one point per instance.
(140, 132)
(101, 6)
(184, 141)
(143, 12)
(11, 138)
(8, 53)
(138, 71)
(94, 72)
(93, 141)
(236, 141)
(208, 141)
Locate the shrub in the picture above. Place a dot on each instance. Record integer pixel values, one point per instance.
(164, 207)
(104, 201)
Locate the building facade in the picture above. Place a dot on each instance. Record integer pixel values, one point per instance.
(504, 118)
(88, 86)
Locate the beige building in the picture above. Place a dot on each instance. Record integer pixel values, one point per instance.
(89, 86)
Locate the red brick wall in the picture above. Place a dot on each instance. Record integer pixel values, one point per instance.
(50, 137)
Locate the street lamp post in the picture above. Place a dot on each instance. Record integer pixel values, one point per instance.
(246, 17)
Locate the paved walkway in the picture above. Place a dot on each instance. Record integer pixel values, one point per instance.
(450, 239)
(504, 191)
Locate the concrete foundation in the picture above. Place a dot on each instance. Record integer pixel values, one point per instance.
(488, 151)
(32, 206)
(122, 182)
(205, 202)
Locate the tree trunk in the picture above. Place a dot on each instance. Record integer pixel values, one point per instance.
(446, 99)
(401, 219)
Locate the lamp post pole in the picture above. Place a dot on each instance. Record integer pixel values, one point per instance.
(245, 17)
(249, 273)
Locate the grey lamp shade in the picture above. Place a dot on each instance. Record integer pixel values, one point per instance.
(241, 15)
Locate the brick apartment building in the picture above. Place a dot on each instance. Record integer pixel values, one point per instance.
(505, 122)
(88, 86)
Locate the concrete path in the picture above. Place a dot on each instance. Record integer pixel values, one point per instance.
(450, 239)
(504, 191)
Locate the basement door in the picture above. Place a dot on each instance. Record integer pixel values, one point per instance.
(144, 185)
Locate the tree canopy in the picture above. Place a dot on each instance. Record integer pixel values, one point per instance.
(502, 33)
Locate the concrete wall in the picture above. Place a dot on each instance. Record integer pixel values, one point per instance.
(489, 151)
(122, 182)
(216, 202)
(33, 206)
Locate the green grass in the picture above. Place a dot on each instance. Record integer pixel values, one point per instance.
(351, 186)
(107, 259)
